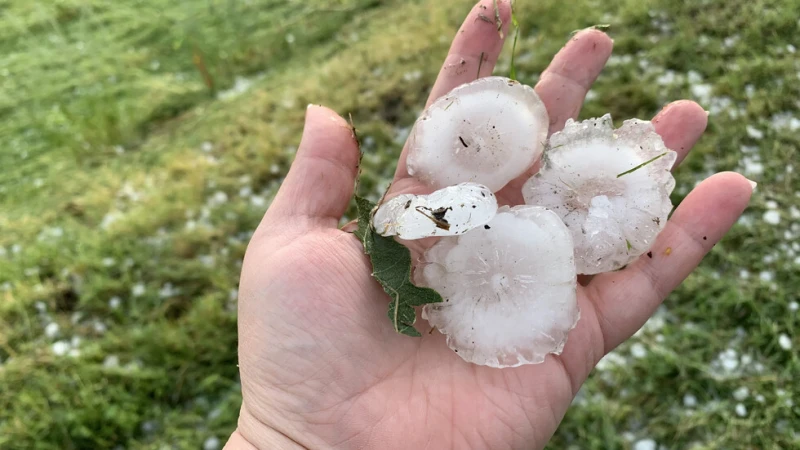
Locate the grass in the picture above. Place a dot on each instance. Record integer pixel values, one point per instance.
(143, 140)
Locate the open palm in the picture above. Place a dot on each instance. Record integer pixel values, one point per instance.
(321, 367)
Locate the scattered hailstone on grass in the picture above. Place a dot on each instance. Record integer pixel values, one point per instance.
(638, 350)
(489, 131)
(645, 444)
(754, 132)
(61, 348)
(611, 188)
(772, 217)
(212, 443)
(785, 342)
(99, 327)
(138, 290)
(508, 287)
(51, 330)
(111, 361)
(447, 212)
(741, 393)
(728, 360)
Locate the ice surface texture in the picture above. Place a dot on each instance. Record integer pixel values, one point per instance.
(488, 131)
(614, 216)
(447, 212)
(509, 288)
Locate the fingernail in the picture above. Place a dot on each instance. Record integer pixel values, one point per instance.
(753, 185)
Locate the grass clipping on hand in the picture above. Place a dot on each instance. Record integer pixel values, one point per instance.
(391, 267)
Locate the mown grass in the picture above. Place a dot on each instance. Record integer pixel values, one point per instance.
(130, 185)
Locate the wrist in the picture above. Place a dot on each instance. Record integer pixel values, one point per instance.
(252, 434)
(238, 442)
(270, 439)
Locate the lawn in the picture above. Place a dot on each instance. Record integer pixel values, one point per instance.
(143, 140)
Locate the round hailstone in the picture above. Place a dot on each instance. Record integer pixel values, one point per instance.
(610, 187)
(446, 212)
(509, 288)
(489, 131)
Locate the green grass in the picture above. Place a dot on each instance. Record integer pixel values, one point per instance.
(130, 185)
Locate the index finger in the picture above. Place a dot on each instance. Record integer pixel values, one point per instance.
(473, 54)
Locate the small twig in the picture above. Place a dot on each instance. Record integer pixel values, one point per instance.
(380, 202)
(200, 63)
(641, 165)
(443, 224)
(360, 153)
(355, 133)
(480, 63)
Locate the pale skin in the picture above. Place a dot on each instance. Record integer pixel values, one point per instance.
(321, 366)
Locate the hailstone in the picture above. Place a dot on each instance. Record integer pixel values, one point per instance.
(509, 288)
(446, 212)
(489, 131)
(610, 187)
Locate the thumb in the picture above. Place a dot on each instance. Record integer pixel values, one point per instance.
(319, 184)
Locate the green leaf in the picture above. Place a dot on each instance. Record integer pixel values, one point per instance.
(391, 267)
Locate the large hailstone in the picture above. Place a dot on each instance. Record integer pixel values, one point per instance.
(509, 288)
(489, 131)
(610, 187)
(447, 212)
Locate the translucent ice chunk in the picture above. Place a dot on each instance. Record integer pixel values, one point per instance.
(447, 212)
(489, 131)
(610, 187)
(509, 288)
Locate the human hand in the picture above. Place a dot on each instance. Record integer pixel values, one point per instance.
(322, 368)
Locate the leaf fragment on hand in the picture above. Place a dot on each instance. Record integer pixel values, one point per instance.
(391, 267)
(600, 26)
(498, 20)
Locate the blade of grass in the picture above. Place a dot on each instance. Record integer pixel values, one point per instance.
(641, 165)
(513, 71)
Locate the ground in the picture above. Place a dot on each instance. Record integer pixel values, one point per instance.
(142, 141)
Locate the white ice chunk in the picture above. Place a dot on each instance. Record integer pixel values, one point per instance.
(509, 288)
(447, 212)
(489, 131)
(610, 187)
